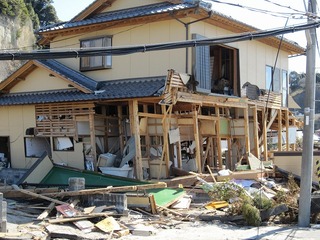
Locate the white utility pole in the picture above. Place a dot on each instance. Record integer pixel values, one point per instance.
(309, 108)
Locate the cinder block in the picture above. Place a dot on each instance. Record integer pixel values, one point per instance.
(117, 199)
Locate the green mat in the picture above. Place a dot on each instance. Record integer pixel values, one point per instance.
(164, 197)
(60, 176)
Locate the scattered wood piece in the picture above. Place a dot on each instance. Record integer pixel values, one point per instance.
(108, 189)
(170, 210)
(211, 174)
(142, 230)
(9, 192)
(69, 232)
(46, 212)
(88, 210)
(77, 218)
(84, 225)
(108, 224)
(35, 195)
(142, 201)
(182, 203)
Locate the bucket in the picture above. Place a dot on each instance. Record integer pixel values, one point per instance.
(76, 184)
(106, 159)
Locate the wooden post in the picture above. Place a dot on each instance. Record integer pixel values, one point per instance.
(256, 131)
(165, 126)
(246, 129)
(218, 142)
(93, 140)
(279, 130)
(179, 157)
(121, 132)
(229, 164)
(136, 132)
(264, 135)
(197, 139)
(287, 131)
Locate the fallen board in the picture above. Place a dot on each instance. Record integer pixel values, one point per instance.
(164, 197)
(250, 174)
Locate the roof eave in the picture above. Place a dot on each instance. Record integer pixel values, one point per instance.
(94, 8)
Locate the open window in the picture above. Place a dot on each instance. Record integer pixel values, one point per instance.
(96, 62)
(216, 69)
(225, 70)
(36, 146)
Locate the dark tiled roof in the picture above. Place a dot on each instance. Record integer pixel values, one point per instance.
(70, 74)
(140, 11)
(116, 89)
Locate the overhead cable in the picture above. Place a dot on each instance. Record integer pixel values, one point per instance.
(124, 50)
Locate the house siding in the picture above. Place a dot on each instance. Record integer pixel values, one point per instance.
(39, 80)
(253, 55)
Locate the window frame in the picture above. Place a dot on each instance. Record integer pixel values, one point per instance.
(87, 63)
(35, 152)
(55, 142)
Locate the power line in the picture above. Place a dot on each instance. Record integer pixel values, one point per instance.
(124, 50)
(264, 11)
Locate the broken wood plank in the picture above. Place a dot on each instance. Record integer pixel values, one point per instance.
(9, 192)
(35, 195)
(108, 189)
(211, 174)
(46, 212)
(108, 224)
(69, 232)
(78, 218)
(169, 210)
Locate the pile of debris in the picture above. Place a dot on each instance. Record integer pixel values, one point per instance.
(94, 213)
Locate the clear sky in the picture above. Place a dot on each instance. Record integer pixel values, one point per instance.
(263, 14)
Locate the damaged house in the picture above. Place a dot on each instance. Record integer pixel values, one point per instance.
(145, 112)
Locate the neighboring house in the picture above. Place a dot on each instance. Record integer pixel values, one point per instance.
(177, 105)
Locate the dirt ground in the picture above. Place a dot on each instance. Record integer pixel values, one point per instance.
(24, 227)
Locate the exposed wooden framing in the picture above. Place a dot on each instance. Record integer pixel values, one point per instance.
(246, 129)
(229, 163)
(287, 130)
(121, 130)
(218, 138)
(256, 132)
(203, 100)
(136, 132)
(197, 139)
(93, 141)
(56, 120)
(165, 127)
(264, 134)
(279, 129)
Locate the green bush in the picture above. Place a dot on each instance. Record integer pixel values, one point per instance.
(251, 214)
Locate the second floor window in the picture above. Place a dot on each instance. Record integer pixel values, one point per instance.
(96, 62)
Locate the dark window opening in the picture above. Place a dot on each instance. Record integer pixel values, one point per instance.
(96, 62)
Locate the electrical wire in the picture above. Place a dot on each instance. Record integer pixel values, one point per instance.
(264, 11)
(124, 50)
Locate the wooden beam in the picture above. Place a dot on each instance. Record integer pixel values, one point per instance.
(35, 195)
(246, 129)
(287, 130)
(279, 130)
(256, 132)
(107, 190)
(121, 133)
(197, 139)
(264, 135)
(218, 138)
(136, 125)
(93, 140)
